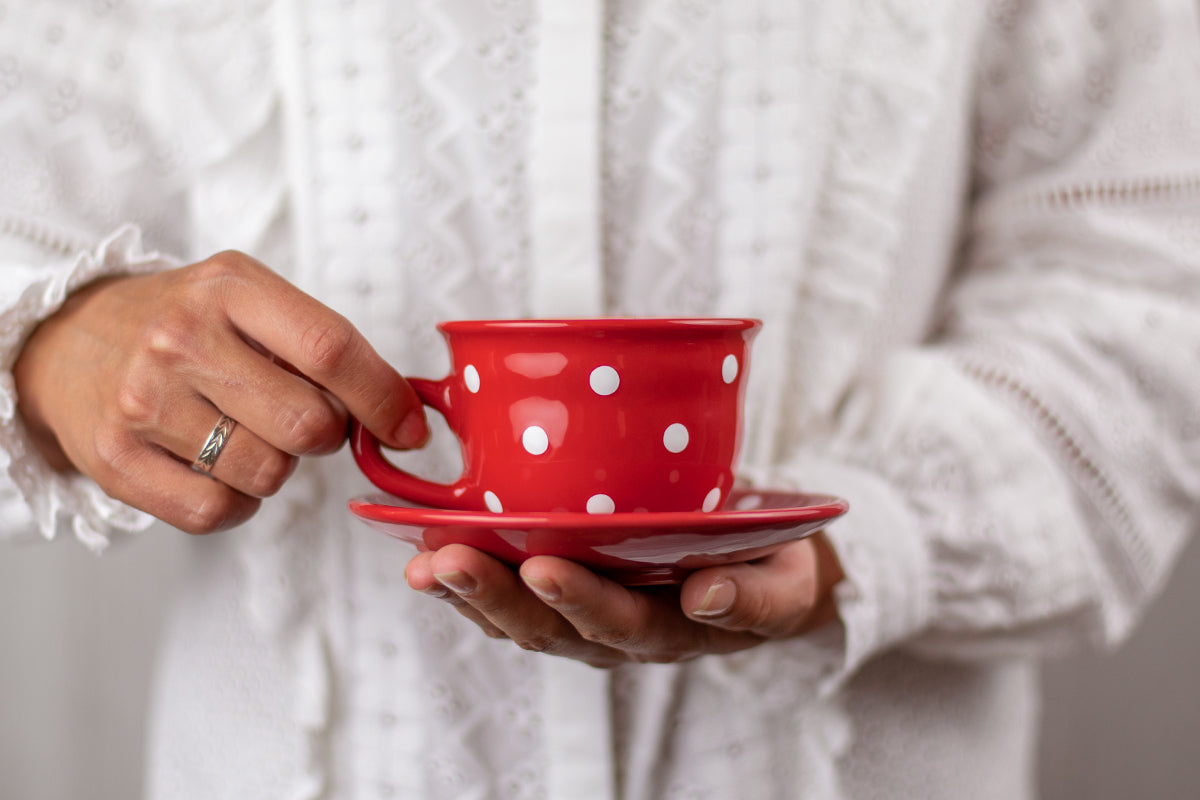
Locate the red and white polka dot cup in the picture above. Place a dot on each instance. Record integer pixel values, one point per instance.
(589, 415)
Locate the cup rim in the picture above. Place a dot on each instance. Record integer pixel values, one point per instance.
(615, 324)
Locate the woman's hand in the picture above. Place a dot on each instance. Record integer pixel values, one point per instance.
(127, 381)
(556, 606)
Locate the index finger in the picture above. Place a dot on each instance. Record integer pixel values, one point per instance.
(327, 349)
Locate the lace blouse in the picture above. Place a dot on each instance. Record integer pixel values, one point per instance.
(972, 233)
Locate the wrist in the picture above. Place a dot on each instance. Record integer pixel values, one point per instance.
(829, 575)
(39, 374)
(26, 376)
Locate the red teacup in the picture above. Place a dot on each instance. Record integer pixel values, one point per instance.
(589, 415)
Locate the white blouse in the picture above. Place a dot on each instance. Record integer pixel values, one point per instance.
(972, 231)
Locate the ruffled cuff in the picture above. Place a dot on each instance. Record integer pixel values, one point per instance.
(53, 499)
(887, 594)
(964, 538)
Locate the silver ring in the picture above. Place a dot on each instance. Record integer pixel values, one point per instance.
(214, 445)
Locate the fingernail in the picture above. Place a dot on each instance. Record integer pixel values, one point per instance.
(413, 431)
(457, 582)
(436, 590)
(717, 600)
(545, 588)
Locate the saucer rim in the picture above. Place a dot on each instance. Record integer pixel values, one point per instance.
(818, 506)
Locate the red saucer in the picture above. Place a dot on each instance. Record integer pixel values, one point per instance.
(636, 549)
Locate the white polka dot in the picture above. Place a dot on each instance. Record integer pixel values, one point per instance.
(675, 438)
(604, 380)
(748, 502)
(493, 503)
(471, 378)
(729, 368)
(535, 440)
(600, 504)
(711, 500)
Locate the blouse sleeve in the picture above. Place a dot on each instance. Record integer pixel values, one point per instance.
(108, 114)
(33, 497)
(1025, 479)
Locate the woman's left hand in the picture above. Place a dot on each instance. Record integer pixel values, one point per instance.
(558, 607)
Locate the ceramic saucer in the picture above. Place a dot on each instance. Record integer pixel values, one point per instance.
(635, 549)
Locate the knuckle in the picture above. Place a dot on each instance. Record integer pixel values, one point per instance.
(205, 517)
(170, 338)
(215, 513)
(609, 637)
(536, 643)
(225, 264)
(138, 405)
(459, 604)
(214, 278)
(272, 473)
(328, 344)
(112, 449)
(313, 429)
(754, 612)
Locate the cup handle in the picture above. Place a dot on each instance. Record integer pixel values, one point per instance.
(368, 454)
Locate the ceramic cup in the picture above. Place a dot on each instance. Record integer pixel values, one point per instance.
(588, 415)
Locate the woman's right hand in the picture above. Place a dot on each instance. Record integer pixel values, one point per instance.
(128, 379)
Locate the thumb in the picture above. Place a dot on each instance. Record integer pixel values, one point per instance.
(783, 594)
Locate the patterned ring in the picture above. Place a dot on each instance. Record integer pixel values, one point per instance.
(215, 444)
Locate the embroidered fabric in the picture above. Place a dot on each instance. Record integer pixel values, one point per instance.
(795, 161)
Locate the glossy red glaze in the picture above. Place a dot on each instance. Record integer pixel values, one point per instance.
(634, 549)
(581, 416)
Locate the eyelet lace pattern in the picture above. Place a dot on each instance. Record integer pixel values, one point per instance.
(801, 162)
